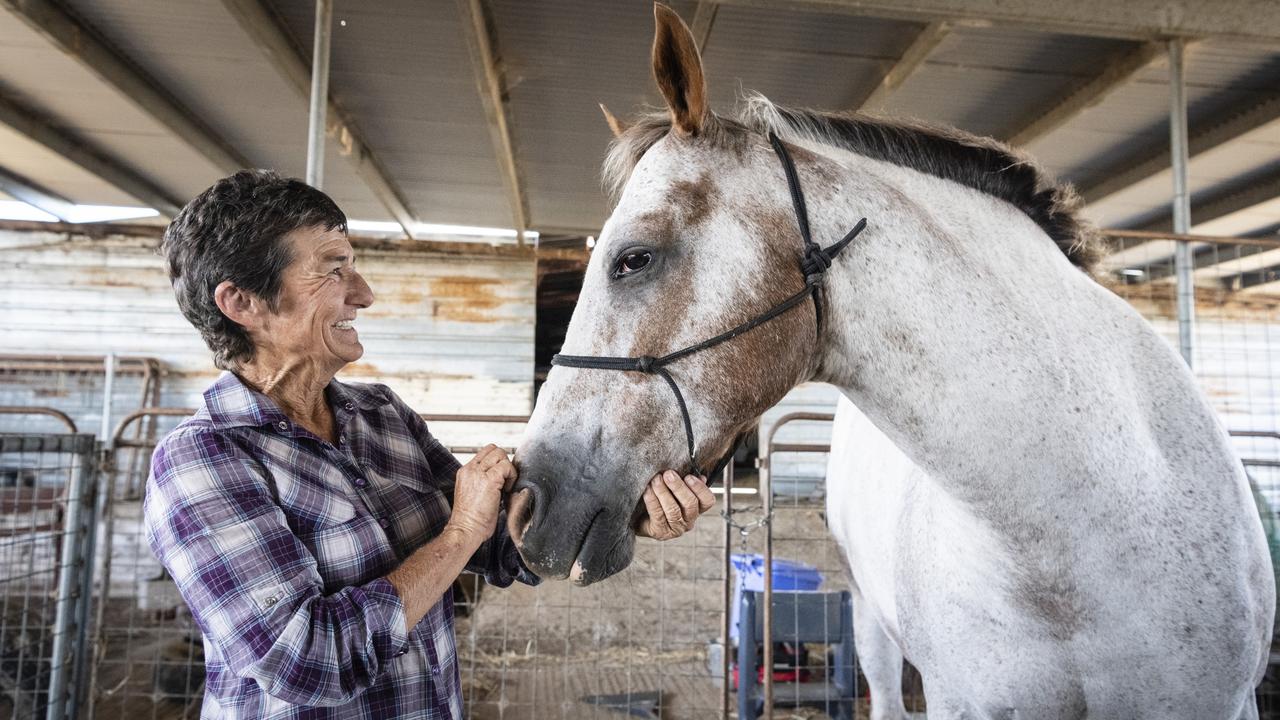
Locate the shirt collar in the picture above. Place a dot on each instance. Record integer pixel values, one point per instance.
(232, 403)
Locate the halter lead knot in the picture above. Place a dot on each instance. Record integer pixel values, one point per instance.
(816, 261)
(645, 363)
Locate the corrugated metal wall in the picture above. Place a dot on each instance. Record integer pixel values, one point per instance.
(448, 333)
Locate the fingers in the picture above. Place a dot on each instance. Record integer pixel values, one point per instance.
(671, 509)
(494, 463)
(488, 456)
(706, 500)
(689, 504)
(656, 526)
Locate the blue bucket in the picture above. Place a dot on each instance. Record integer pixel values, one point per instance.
(787, 575)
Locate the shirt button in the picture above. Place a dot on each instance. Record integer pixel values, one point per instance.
(385, 523)
(271, 601)
(282, 425)
(361, 482)
(342, 441)
(435, 671)
(402, 652)
(350, 406)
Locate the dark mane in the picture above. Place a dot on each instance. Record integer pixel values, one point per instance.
(983, 164)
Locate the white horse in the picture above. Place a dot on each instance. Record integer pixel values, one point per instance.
(1043, 514)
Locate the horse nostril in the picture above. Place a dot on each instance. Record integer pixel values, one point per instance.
(520, 515)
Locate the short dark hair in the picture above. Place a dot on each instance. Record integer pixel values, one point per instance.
(235, 231)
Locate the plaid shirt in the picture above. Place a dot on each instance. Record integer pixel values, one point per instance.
(280, 543)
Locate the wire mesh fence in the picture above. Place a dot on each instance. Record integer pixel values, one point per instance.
(1235, 354)
(47, 493)
(649, 641)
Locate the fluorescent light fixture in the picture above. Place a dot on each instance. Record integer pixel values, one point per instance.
(736, 491)
(1133, 272)
(16, 210)
(436, 229)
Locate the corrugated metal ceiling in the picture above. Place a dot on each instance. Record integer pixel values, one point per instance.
(402, 71)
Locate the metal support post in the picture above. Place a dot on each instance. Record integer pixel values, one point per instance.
(766, 660)
(726, 698)
(108, 392)
(319, 93)
(1182, 262)
(71, 608)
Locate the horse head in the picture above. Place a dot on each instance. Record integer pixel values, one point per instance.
(703, 238)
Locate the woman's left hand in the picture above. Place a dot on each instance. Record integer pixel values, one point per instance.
(674, 504)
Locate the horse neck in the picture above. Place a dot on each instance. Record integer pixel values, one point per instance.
(962, 331)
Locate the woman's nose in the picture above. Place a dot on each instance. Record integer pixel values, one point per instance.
(359, 293)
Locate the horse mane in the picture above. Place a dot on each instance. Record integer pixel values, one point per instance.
(981, 163)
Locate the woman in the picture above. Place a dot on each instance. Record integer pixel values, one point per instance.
(315, 527)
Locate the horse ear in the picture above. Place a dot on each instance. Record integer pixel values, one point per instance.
(617, 126)
(677, 68)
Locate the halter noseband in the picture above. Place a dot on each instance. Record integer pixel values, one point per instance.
(817, 260)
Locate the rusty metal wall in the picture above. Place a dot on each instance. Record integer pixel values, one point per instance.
(450, 333)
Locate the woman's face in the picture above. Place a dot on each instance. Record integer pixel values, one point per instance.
(316, 311)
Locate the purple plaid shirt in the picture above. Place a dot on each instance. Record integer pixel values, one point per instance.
(280, 543)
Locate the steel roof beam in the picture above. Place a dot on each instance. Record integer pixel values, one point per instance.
(924, 43)
(265, 31)
(1253, 21)
(1242, 195)
(1118, 73)
(703, 18)
(491, 83)
(87, 156)
(1155, 159)
(1264, 280)
(37, 197)
(1216, 262)
(81, 43)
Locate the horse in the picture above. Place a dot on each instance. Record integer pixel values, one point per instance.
(1043, 514)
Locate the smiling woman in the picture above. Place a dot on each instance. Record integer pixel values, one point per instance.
(314, 527)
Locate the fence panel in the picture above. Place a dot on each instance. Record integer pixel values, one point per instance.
(48, 490)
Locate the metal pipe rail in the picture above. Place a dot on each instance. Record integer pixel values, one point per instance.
(766, 492)
(60, 416)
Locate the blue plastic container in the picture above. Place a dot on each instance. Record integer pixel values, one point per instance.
(787, 575)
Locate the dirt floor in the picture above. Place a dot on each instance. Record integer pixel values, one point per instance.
(541, 652)
(532, 652)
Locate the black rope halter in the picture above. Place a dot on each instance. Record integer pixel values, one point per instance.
(817, 260)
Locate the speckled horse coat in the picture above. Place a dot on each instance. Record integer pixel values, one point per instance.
(1040, 509)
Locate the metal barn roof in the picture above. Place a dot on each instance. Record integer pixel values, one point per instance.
(149, 101)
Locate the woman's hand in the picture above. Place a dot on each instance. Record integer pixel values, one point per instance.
(477, 493)
(674, 505)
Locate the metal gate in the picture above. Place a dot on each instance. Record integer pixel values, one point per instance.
(48, 487)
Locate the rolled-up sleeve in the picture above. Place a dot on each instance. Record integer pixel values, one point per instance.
(253, 587)
(497, 559)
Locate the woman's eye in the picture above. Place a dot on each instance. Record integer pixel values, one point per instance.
(632, 262)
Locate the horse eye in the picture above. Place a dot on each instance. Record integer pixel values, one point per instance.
(632, 262)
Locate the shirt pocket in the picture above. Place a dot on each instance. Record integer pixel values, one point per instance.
(312, 499)
(350, 553)
(422, 508)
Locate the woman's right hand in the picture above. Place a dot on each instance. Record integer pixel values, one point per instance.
(477, 492)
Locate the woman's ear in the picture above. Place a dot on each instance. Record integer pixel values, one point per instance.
(240, 306)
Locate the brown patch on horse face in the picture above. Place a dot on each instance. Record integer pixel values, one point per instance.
(753, 371)
(693, 199)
